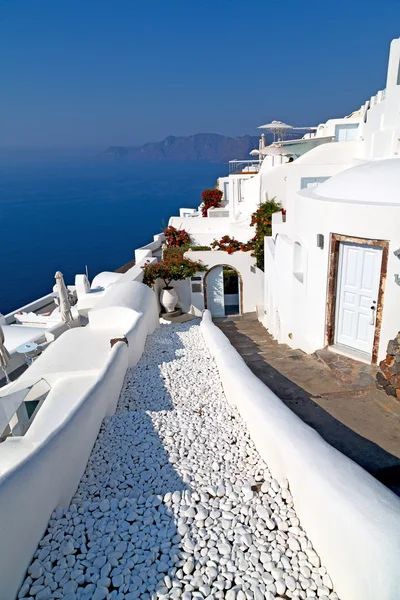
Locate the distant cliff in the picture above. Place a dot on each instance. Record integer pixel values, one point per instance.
(207, 147)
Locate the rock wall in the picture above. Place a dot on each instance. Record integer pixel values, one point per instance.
(388, 379)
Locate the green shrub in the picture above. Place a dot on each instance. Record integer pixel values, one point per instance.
(262, 220)
(199, 248)
(170, 269)
(180, 250)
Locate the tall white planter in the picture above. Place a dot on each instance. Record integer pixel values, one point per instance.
(168, 299)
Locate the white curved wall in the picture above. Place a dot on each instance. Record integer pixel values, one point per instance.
(105, 279)
(51, 462)
(352, 519)
(42, 469)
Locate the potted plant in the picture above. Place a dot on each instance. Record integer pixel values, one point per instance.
(172, 268)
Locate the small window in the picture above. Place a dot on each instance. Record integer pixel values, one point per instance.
(196, 288)
(239, 190)
(346, 133)
(298, 270)
(312, 182)
(226, 191)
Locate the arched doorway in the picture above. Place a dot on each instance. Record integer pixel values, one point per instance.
(223, 291)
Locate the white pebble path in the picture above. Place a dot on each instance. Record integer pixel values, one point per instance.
(175, 501)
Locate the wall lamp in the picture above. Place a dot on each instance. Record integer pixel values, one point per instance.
(320, 241)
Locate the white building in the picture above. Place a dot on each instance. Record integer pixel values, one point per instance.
(339, 188)
(332, 276)
(331, 269)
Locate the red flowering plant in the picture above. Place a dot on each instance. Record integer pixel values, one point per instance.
(230, 245)
(262, 221)
(211, 199)
(176, 237)
(173, 268)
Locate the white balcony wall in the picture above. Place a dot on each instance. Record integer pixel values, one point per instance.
(326, 160)
(42, 469)
(203, 231)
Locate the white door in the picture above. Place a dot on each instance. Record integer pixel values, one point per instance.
(357, 295)
(215, 292)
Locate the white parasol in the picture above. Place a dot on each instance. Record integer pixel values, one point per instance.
(65, 306)
(4, 355)
(278, 128)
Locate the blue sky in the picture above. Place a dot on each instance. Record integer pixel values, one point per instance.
(100, 72)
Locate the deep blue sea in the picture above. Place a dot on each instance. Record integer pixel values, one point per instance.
(63, 216)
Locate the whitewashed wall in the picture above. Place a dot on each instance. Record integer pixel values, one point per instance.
(236, 195)
(299, 308)
(381, 132)
(203, 231)
(351, 518)
(243, 263)
(42, 469)
(323, 161)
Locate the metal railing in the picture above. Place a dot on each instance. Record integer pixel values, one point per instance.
(244, 166)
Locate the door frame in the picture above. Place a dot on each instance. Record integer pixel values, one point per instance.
(239, 280)
(333, 274)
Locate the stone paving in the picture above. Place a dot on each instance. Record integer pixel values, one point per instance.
(334, 394)
(175, 502)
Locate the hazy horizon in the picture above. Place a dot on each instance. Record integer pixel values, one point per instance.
(95, 74)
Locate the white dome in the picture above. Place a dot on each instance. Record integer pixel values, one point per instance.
(376, 182)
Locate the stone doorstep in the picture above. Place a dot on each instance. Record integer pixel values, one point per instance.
(170, 315)
(347, 370)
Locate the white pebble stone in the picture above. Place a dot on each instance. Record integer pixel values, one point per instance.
(305, 571)
(175, 502)
(280, 586)
(290, 583)
(188, 567)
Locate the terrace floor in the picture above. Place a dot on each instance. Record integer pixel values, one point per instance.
(335, 395)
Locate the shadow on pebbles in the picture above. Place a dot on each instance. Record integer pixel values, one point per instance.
(175, 501)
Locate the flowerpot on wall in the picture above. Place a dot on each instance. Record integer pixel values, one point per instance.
(168, 299)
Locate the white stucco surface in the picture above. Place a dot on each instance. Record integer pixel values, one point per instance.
(353, 520)
(299, 307)
(42, 469)
(15, 335)
(203, 231)
(242, 262)
(360, 201)
(105, 279)
(371, 182)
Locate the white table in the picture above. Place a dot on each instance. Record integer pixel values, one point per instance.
(27, 349)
